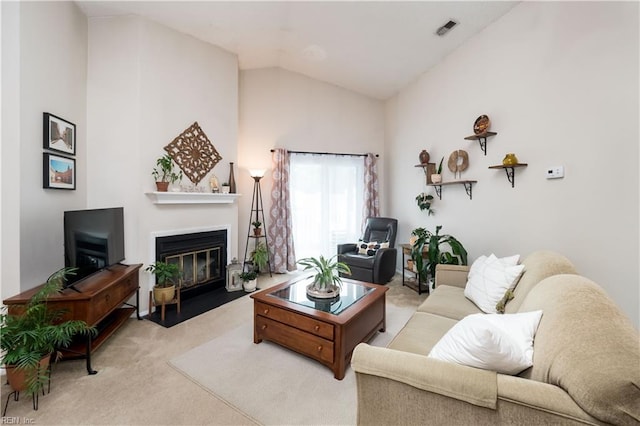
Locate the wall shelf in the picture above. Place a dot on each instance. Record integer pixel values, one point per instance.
(191, 198)
(482, 139)
(509, 170)
(468, 186)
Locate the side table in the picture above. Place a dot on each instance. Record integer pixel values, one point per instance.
(411, 278)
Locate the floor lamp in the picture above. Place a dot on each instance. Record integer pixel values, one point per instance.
(257, 215)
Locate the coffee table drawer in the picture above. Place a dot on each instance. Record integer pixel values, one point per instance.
(296, 320)
(292, 338)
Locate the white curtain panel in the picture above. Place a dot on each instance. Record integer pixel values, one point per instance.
(327, 197)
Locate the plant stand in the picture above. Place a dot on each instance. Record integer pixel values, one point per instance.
(16, 394)
(163, 304)
(256, 215)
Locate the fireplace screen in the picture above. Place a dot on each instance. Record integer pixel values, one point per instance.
(199, 266)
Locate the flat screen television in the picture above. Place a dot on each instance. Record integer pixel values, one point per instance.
(93, 240)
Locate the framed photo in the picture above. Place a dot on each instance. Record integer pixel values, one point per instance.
(58, 172)
(59, 134)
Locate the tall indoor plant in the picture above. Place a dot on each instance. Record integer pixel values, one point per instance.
(31, 333)
(438, 248)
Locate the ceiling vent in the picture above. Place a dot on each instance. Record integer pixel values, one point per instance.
(446, 28)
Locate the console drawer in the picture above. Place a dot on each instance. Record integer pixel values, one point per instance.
(296, 320)
(295, 339)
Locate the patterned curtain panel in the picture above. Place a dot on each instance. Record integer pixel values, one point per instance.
(283, 256)
(371, 202)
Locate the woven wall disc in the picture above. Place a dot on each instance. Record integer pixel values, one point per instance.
(193, 153)
(458, 161)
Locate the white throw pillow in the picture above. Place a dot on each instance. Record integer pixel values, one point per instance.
(489, 279)
(502, 343)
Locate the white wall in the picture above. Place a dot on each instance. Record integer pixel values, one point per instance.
(147, 83)
(45, 69)
(559, 81)
(282, 109)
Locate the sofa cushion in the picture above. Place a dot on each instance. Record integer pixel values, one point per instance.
(500, 343)
(448, 301)
(538, 266)
(421, 333)
(586, 346)
(489, 279)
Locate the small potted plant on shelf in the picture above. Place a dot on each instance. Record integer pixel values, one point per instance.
(427, 250)
(257, 230)
(164, 173)
(249, 280)
(260, 257)
(326, 282)
(31, 334)
(166, 274)
(436, 178)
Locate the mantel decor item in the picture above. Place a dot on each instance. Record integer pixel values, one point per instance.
(58, 134)
(193, 153)
(164, 174)
(481, 125)
(326, 282)
(58, 172)
(510, 159)
(232, 180)
(424, 157)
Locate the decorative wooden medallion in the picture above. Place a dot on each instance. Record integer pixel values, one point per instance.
(193, 153)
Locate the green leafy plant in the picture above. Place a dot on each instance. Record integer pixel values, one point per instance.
(326, 270)
(260, 256)
(248, 276)
(424, 202)
(439, 170)
(33, 331)
(256, 224)
(164, 170)
(166, 273)
(439, 249)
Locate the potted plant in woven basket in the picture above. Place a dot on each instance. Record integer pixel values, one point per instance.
(31, 334)
(326, 282)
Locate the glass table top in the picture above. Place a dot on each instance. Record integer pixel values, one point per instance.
(297, 293)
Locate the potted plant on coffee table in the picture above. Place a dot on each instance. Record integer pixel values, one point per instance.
(166, 275)
(249, 280)
(164, 173)
(326, 281)
(31, 334)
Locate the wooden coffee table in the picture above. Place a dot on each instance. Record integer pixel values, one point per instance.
(326, 331)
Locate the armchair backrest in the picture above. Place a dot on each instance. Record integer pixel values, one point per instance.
(381, 229)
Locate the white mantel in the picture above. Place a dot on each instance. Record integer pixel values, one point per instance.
(191, 198)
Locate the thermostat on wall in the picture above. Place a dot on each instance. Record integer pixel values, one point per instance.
(555, 172)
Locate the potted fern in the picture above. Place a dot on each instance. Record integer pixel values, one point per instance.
(326, 282)
(31, 334)
(166, 276)
(260, 257)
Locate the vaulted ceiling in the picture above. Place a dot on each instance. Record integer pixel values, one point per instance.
(374, 48)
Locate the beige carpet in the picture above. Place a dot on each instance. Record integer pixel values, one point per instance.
(136, 386)
(276, 386)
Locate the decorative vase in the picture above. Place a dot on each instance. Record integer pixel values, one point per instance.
(509, 160)
(232, 180)
(162, 186)
(424, 157)
(436, 178)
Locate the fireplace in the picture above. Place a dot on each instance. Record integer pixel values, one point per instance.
(201, 256)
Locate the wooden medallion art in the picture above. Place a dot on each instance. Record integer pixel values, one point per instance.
(193, 153)
(458, 162)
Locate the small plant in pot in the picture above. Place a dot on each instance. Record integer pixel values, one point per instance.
(166, 276)
(260, 257)
(164, 173)
(257, 230)
(326, 282)
(31, 335)
(249, 280)
(437, 176)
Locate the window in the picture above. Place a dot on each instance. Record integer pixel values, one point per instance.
(327, 193)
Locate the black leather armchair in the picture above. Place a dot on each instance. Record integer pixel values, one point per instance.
(378, 268)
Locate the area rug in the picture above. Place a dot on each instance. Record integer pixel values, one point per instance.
(273, 385)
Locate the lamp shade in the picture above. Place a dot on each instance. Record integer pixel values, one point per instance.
(257, 172)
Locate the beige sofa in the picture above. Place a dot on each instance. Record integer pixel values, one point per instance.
(586, 359)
